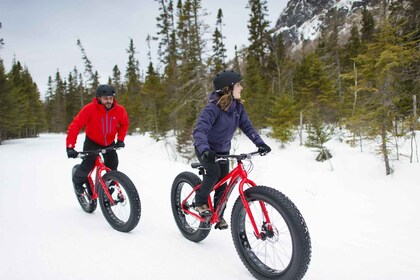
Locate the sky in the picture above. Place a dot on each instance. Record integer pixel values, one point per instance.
(43, 34)
(363, 224)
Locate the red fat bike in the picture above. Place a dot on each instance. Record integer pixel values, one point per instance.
(117, 195)
(269, 232)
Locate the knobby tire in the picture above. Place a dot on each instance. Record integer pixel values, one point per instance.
(190, 227)
(285, 251)
(125, 214)
(88, 205)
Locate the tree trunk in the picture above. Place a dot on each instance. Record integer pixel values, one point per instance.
(384, 149)
(301, 128)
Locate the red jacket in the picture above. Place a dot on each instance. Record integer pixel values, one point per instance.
(100, 125)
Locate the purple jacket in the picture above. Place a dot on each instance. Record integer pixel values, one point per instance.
(215, 127)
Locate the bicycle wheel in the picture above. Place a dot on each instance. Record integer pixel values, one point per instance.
(189, 225)
(284, 251)
(88, 205)
(124, 215)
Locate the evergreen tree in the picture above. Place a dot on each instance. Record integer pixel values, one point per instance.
(1, 40)
(158, 122)
(368, 26)
(219, 51)
(30, 118)
(256, 88)
(169, 56)
(15, 76)
(380, 67)
(72, 97)
(284, 119)
(132, 98)
(192, 76)
(92, 76)
(314, 89)
(59, 117)
(9, 108)
(34, 116)
(258, 26)
(49, 105)
(318, 134)
(116, 81)
(276, 70)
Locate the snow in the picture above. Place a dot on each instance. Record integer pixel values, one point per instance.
(363, 224)
(310, 30)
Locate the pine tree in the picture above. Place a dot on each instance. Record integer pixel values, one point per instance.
(1, 42)
(256, 86)
(276, 66)
(132, 98)
(92, 76)
(169, 57)
(380, 68)
(59, 117)
(72, 97)
(314, 89)
(368, 26)
(284, 119)
(319, 134)
(34, 116)
(49, 105)
(219, 51)
(8, 103)
(192, 76)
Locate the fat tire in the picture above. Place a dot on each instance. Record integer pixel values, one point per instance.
(198, 231)
(88, 205)
(131, 194)
(292, 221)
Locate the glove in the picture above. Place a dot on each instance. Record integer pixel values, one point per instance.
(264, 149)
(119, 144)
(72, 153)
(209, 156)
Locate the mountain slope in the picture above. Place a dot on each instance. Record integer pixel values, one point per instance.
(302, 20)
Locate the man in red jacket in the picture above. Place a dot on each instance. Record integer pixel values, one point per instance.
(103, 120)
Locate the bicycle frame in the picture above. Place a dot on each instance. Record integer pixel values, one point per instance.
(238, 174)
(98, 169)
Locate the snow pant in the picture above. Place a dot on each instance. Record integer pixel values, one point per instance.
(214, 171)
(110, 160)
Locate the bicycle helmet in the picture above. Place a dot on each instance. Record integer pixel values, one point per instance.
(105, 90)
(226, 78)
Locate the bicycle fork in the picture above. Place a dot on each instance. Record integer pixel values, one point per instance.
(266, 223)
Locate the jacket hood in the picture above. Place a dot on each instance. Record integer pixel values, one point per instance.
(213, 96)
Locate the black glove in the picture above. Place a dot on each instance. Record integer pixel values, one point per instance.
(72, 153)
(209, 156)
(119, 144)
(264, 149)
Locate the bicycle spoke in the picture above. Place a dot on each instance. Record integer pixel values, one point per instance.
(275, 248)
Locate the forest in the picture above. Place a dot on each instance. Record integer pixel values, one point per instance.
(366, 86)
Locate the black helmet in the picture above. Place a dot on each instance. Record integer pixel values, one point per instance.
(226, 78)
(105, 90)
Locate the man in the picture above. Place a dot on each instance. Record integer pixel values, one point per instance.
(103, 120)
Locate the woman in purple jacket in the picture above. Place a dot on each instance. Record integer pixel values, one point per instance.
(216, 125)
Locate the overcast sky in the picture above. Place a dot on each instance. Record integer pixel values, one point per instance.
(43, 34)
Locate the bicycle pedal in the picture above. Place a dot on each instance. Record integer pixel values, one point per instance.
(221, 227)
(206, 214)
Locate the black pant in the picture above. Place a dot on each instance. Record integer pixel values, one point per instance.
(110, 159)
(214, 171)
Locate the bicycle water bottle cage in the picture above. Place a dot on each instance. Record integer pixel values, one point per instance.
(198, 166)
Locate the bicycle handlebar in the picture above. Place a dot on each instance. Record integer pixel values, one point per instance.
(240, 156)
(83, 154)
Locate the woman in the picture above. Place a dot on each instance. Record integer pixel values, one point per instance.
(213, 134)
